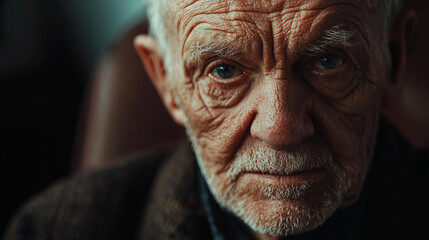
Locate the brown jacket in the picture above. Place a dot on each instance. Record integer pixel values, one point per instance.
(151, 198)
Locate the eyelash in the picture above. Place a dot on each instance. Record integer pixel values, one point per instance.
(328, 72)
(310, 63)
(213, 64)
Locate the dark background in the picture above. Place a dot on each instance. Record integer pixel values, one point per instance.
(48, 50)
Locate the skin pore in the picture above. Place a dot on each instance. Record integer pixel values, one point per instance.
(280, 100)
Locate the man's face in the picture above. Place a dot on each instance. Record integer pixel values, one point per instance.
(281, 100)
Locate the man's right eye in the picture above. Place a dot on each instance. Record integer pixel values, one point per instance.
(329, 62)
(225, 71)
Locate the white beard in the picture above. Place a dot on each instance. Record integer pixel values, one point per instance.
(281, 210)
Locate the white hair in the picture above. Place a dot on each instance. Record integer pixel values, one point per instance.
(157, 13)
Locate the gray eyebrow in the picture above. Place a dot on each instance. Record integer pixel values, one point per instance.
(200, 50)
(334, 37)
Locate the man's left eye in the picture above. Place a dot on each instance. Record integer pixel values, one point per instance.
(225, 71)
(329, 62)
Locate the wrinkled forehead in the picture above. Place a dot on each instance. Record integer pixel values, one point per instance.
(237, 16)
(261, 6)
(185, 10)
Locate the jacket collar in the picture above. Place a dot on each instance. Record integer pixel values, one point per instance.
(174, 209)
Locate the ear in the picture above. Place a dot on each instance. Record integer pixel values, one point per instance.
(401, 41)
(152, 60)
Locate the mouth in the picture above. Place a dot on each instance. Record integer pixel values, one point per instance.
(278, 179)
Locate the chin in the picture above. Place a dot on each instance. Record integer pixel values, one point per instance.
(282, 194)
(281, 210)
(283, 217)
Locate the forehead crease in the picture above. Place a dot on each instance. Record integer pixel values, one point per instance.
(212, 34)
(186, 11)
(236, 29)
(236, 23)
(190, 7)
(262, 6)
(232, 23)
(283, 19)
(191, 12)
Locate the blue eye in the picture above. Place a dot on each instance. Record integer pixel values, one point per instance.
(329, 62)
(225, 71)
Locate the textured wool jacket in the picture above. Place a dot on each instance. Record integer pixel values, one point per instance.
(157, 197)
(153, 197)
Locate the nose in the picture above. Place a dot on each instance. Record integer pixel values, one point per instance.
(282, 116)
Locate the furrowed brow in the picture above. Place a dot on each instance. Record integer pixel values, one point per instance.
(332, 38)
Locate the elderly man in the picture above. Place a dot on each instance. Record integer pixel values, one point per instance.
(281, 102)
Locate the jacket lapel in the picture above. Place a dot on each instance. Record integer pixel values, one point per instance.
(174, 210)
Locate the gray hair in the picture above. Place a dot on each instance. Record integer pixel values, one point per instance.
(157, 14)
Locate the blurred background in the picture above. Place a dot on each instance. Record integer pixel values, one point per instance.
(48, 52)
(74, 96)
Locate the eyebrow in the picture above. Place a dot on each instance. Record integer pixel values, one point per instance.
(334, 37)
(201, 50)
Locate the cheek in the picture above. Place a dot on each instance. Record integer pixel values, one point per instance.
(349, 122)
(221, 95)
(217, 118)
(349, 134)
(351, 137)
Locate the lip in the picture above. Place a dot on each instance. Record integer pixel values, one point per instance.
(296, 178)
